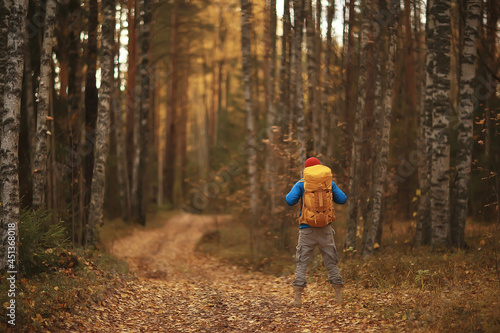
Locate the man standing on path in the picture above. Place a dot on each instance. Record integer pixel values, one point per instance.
(317, 192)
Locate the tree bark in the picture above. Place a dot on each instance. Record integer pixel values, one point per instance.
(296, 64)
(29, 94)
(271, 108)
(171, 150)
(312, 80)
(328, 82)
(284, 69)
(103, 124)
(91, 104)
(141, 135)
(10, 120)
(246, 30)
(42, 131)
(381, 159)
(4, 30)
(465, 133)
(440, 163)
(120, 114)
(354, 183)
(75, 117)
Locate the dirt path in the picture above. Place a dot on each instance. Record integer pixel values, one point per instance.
(178, 290)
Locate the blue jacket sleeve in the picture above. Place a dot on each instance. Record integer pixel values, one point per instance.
(295, 194)
(339, 197)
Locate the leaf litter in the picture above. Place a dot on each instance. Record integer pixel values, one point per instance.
(176, 289)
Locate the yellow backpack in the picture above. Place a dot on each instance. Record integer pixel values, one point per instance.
(317, 202)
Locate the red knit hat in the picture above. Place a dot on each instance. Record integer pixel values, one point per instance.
(311, 161)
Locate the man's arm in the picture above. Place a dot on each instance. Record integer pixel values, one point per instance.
(295, 194)
(339, 197)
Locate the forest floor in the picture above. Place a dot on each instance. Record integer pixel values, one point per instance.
(177, 289)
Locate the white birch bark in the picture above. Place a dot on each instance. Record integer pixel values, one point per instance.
(381, 159)
(42, 131)
(423, 230)
(10, 120)
(103, 124)
(4, 30)
(440, 163)
(246, 29)
(465, 113)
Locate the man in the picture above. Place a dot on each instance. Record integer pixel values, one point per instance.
(315, 228)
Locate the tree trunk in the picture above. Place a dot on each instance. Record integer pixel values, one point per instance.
(246, 30)
(298, 98)
(312, 80)
(171, 150)
(132, 93)
(423, 230)
(103, 123)
(284, 66)
(91, 101)
(29, 94)
(440, 163)
(120, 114)
(4, 30)
(328, 82)
(10, 119)
(381, 159)
(271, 109)
(42, 131)
(465, 133)
(354, 183)
(350, 61)
(141, 135)
(75, 116)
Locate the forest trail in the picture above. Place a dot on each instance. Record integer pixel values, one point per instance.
(179, 290)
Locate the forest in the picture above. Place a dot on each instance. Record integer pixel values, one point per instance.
(147, 147)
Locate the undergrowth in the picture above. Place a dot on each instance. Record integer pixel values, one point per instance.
(53, 277)
(438, 291)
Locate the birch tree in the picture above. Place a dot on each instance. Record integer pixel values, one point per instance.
(354, 183)
(10, 121)
(381, 159)
(440, 162)
(465, 113)
(246, 30)
(103, 123)
(42, 131)
(423, 230)
(4, 29)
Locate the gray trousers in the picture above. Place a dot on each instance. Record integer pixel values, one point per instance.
(308, 239)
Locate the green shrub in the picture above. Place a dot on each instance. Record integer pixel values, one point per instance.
(41, 242)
